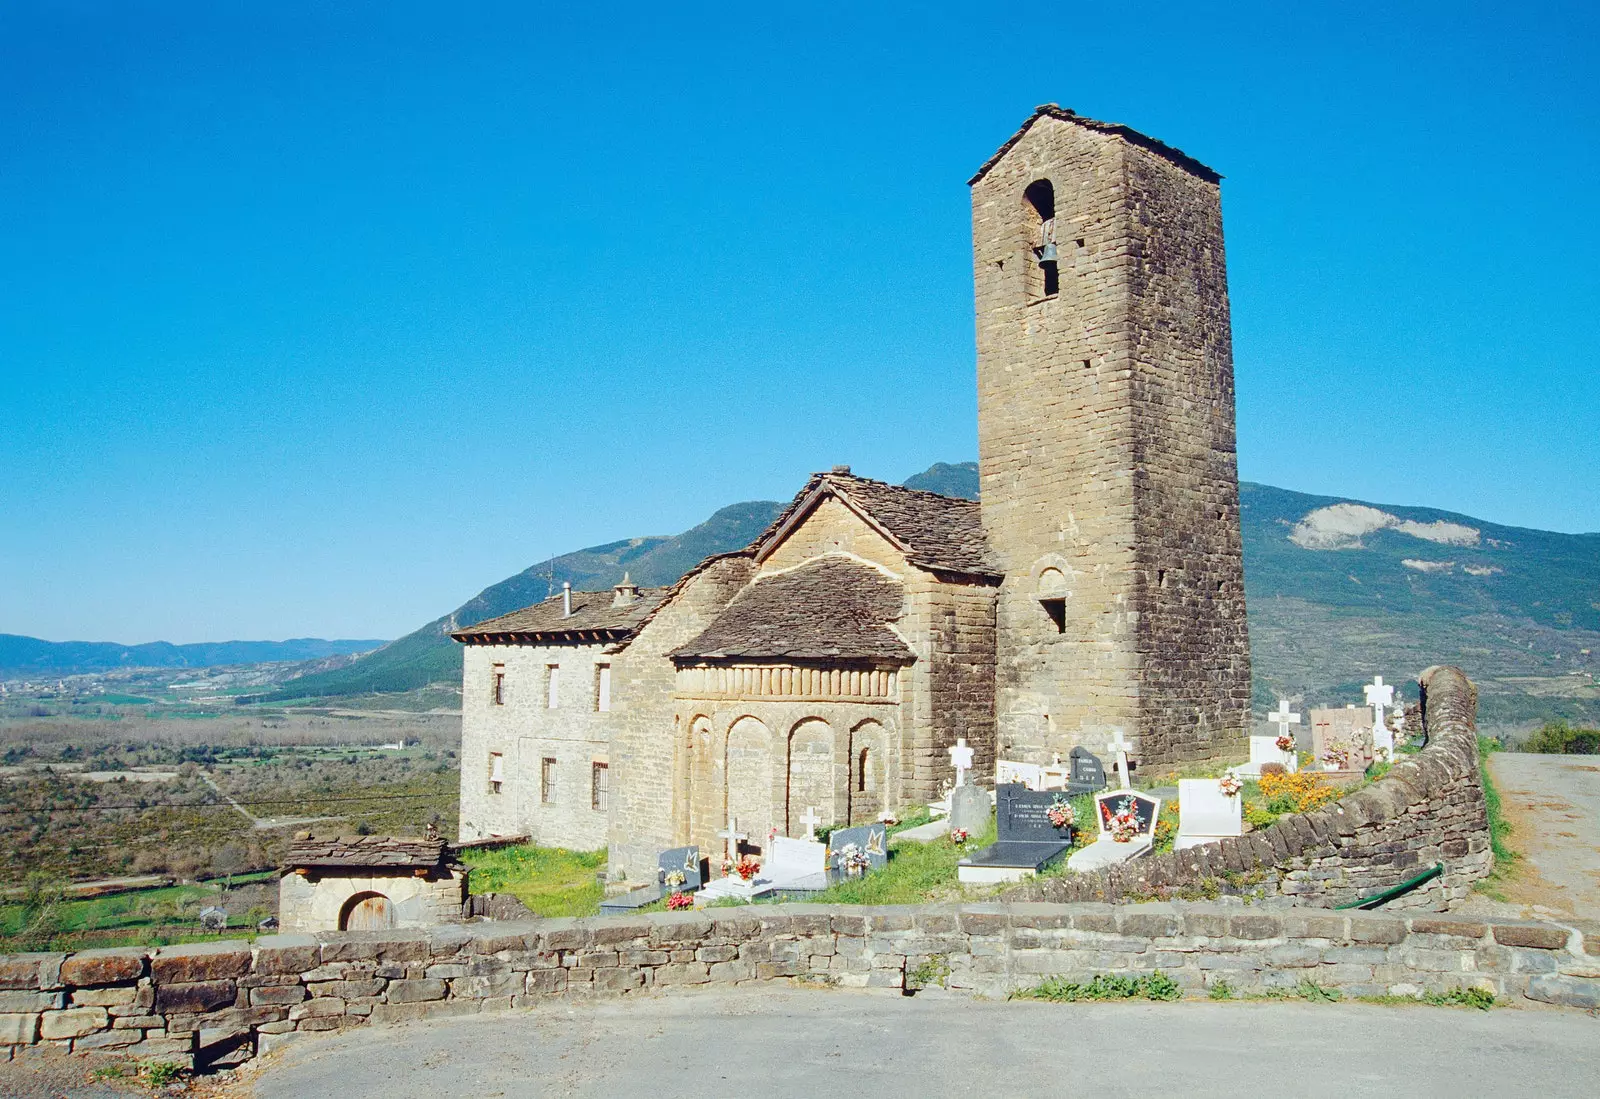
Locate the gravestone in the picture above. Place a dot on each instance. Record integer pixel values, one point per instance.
(1007, 771)
(1088, 774)
(1026, 840)
(969, 809)
(871, 839)
(1348, 729)
(1207, 814)
(1264, 749)
(1380, 696)
(1107, 850)
(669, 864)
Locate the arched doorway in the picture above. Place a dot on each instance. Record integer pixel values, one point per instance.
(367, 912)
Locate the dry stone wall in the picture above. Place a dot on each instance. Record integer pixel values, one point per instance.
(1428, 809)
(178, 1003)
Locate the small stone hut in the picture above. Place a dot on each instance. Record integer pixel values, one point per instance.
(369, 883)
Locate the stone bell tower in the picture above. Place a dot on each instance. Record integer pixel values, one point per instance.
(1106, 460)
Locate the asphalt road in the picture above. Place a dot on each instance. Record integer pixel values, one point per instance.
(1553, 803)
(820, 1045)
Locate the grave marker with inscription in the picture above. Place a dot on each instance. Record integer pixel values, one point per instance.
(1027, 841)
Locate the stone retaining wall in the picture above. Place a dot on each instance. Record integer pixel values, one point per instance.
(1428, 809)
(180, 1002)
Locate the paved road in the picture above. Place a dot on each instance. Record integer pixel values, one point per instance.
(1553, 803)
(842, 1045)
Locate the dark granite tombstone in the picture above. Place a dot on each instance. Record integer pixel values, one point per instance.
(1088, 774)
(1026, 840)
(680, 860)
(873, 839)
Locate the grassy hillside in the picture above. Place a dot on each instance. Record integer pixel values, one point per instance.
(31, 655)
(1337, 591)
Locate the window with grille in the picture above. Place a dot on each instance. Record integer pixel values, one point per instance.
(600, 788)
(497, 685)
(547, 780)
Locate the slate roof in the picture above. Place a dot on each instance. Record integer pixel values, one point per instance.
(830, 608)
(934, 532)
(394, 852)
(592, 614)
(1127, 133)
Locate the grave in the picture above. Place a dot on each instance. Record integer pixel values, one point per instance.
(1008, 772)
(680, 862)
(1263, 750)
(871, 840)
(1138, 810)
(793, 868)
(1086, 774)
(1206, 813)
(1027, 842)
(1347, 731)
(1380, 696)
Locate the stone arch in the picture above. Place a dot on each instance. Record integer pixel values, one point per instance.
(869, 771)
(1039, 201)
(700, 787)
(747, 780)
(809, 773)
(367, 911)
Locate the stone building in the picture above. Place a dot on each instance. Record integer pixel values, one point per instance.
(831, 664)
(369, 883)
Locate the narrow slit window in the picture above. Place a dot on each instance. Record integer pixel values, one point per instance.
(602, 687)
(552, 681)
(497, 685)
(497, 772)
(547, 780)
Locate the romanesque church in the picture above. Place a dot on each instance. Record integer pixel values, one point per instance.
(831, 664)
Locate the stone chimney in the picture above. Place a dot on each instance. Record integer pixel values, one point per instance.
(625, 593)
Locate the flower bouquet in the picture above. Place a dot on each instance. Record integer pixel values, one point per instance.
(677, 900)
(1060, 812)
(675, 878)
(748, 868)
(1124, 823)
(853, 860)
(959, 836)
(1285, 743)
(1230, 786)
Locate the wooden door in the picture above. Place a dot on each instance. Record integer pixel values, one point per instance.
(368, 912)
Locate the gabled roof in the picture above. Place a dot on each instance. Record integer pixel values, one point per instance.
(936, 533)
(1051, 110)
(398, 852)
(593, 618)
(830, 608)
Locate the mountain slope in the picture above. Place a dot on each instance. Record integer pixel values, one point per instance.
(1336, 590)
(30, 655)
(427, 655)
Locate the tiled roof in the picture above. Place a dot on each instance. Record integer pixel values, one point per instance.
(1051, 110)
(831, 608)
(400, 852)
(592, 612)
(935, 532)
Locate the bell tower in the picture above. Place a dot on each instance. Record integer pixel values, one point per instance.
(1106, 458)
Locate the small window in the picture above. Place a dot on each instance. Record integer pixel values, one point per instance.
(547, 780)
(863, 771)
(1041, 198)
(497, 772)
(497, 685)
(602, 687)
(552, 681)
(600, 788)
(1056, 609)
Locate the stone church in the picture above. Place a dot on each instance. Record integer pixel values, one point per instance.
(831, 664)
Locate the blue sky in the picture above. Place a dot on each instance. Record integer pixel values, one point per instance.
(315, 322)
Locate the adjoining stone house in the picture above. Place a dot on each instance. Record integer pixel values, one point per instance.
(369, 883)
(831, 664)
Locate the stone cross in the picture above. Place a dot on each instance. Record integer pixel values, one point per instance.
(1380, 696)
(810, 818)
(961, 759)
(1119, 747)
(733, 836)
(1283, 717)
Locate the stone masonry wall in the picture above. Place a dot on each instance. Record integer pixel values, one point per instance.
(179, 1003)
(1106, 451)
(1428, 809)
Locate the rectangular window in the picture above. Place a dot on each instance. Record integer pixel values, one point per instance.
(497, 772)
(552, 680)
(600, 788)
(602, 687)
(547, 780)
(497, 685)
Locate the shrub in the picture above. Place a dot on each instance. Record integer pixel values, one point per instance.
(1296, 793)
(1274, 769)
(1104, 986)
(1559, 738)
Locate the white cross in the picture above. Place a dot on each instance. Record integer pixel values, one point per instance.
(1119, 747)
(1283, 717)
(961, 759)
(811, 819)
(1379, 696)
(733, 836)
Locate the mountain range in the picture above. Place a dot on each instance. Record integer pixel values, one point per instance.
(21, 656)
(1337, 590)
